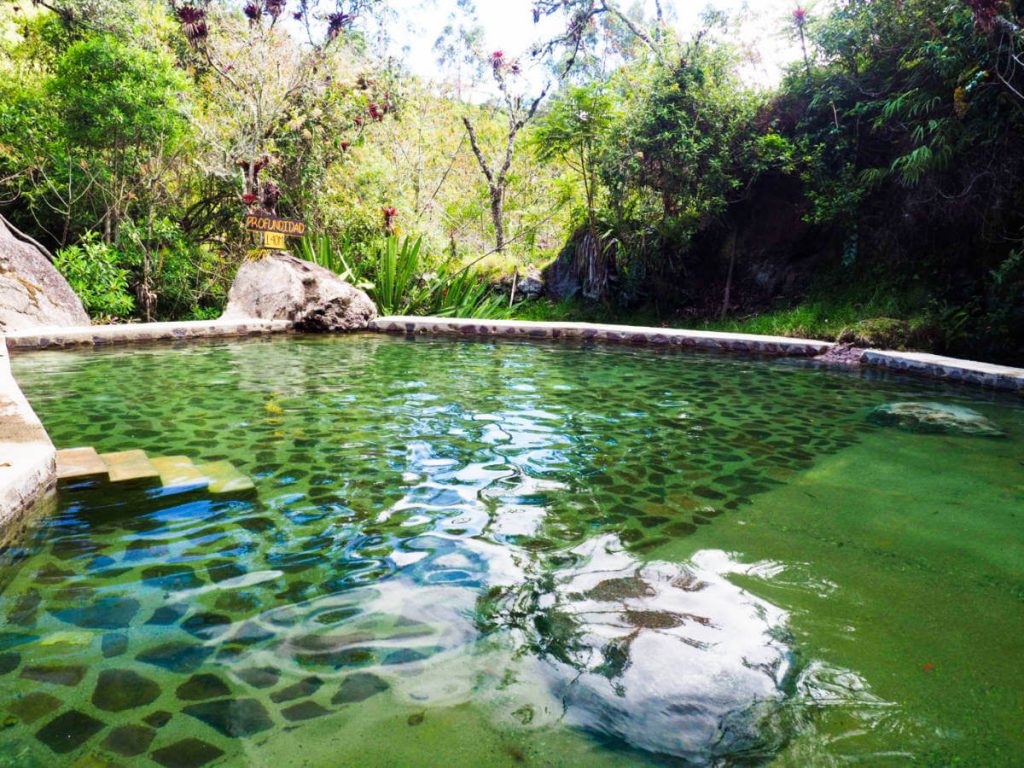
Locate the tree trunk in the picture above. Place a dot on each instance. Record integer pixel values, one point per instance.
(730, 248)
(498, 217)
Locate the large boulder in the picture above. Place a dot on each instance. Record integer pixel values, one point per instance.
(934, 418)
(282, 287)
(33, 293)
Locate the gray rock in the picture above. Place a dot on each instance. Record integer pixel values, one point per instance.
(529, 285)
(934, 418)
(283, 287)
(33, 294)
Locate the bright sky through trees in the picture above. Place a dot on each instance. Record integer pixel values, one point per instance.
(760, 26)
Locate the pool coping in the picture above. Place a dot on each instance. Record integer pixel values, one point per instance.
(28, 469)
(128, 333)
(622, 334)
(27, 455)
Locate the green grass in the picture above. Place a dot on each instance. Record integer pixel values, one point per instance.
(822, 319)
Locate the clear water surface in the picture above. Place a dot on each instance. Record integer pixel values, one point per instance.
(476, 553)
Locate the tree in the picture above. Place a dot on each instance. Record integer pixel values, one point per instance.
(519, 110)
(573, 130)
(120, 112)
(260, 77)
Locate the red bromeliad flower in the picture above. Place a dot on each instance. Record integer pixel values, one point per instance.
(250, 199)
(800, 16)
(193, 23)
(271, 194)
(345, 145)
(275, 7)
(252, 12)
(390, 214)
(497, 59)
(337, 22)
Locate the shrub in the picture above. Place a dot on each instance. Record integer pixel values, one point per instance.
(94, 271)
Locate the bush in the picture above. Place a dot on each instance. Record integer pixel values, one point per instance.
(95, 272)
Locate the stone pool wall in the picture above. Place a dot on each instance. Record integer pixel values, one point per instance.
(948, 368)
(50, 338)
(27, 456)
(622, 334)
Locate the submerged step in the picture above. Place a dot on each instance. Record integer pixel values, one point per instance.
(125, 466)
(79, 464)
(178, 472)
(224, 477)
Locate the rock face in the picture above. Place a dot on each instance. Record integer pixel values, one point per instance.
(33, 293)
(283, 287)
(583, 268)
(934, 418)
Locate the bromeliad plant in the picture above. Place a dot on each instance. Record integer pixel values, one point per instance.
(395, 277)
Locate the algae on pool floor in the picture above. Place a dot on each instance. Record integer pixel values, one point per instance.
(469, 553)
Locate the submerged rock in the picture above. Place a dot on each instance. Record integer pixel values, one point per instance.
(359, 687)
(69, 731)
(674, 660)
(934, 418)
(33, 293)
(283, 287)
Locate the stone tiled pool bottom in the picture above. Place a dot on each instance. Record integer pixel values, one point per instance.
(477, 553)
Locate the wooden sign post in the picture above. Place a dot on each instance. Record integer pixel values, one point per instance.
(274, 229)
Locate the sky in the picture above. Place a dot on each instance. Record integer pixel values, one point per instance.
(508, 26)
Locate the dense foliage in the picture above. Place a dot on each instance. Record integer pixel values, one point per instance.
(877, 185)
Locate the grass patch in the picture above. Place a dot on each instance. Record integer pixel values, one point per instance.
(878, 321)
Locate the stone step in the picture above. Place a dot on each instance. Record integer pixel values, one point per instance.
(225, 478)
(80, 464)
(124, 466)
(178, 473)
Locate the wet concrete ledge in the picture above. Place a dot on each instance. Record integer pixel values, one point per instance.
(97, 335)
(949, 369)
(28, 470)
(622, 334)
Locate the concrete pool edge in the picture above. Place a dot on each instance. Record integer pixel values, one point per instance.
(27, 455)
(128, 333)
(627, 334)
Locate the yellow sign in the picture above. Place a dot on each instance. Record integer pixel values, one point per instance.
(255, 222)
(274, 241)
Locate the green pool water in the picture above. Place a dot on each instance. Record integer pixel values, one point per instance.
(469, 553)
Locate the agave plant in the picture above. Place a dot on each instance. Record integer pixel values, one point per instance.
(395, 287)
(394, 278)
(340, 257)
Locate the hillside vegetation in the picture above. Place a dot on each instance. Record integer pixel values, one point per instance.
(872, 195)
